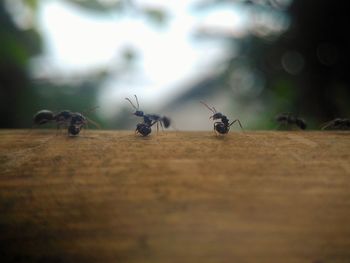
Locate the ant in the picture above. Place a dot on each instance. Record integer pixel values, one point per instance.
(222, 126)
(74, 121)
(148, 119)
(337, 124)
(288, 118)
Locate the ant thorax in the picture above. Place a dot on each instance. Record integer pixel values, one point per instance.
(217, 115)
(78, 119)
(147, 119)
(63, 115)
(139, 113)
(224, 120)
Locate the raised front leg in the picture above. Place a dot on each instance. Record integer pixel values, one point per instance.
(237, 120)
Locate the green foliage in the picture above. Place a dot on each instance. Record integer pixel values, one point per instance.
(156, 16)
(32, 4)
(101, 7)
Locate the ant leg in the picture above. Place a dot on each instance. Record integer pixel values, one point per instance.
(237, 120)
(31, 129)
(326, 125)
(161, 125)
(59, 125)
(280, 125)
(58, 128)
(216, 133)
(93, 123)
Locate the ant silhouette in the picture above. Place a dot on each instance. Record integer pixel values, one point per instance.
(288, 119)
(74, 121)
(222, 126)
(148, 119)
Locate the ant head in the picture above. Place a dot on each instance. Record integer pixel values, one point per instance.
(216, 116)
(139, 113)
(78, 119)
(74, 129)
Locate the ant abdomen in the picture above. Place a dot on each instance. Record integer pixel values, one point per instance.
(43, 116)
(166, 121)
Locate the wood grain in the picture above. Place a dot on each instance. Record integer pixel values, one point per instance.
(110, 196)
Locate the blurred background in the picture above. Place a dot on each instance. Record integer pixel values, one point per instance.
(251, 59)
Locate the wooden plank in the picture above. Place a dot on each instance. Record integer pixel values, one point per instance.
(108, 196)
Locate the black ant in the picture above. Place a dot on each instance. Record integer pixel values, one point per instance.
(222, 126)
(337, 124)
(148, 119)
(289, 119)
(74, 121)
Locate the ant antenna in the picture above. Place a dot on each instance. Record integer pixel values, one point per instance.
(91, 109)
(93, 123)
(137, 101)
(213, 110)
(132, 104)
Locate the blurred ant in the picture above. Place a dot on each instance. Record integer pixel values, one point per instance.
(222, 126)
(74, 121)
(337, 124)
(148, 119)
(289, 119)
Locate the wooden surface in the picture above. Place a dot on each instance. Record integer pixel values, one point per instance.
(109, 196)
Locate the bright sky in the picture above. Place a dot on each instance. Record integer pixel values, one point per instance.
(168, 56)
